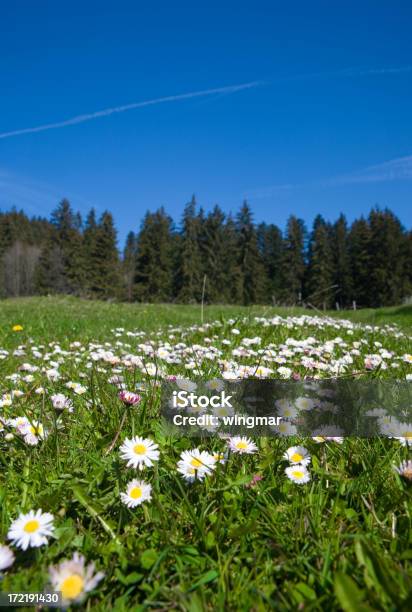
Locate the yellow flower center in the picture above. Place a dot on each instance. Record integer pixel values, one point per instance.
(139, 449)
(296, 457)
(196, 463)
(72, 586)
(135, 493)
(298, 474)
(31, 526)
(407, 434)
(241, 445)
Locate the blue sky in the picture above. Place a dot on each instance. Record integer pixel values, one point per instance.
(327, 127)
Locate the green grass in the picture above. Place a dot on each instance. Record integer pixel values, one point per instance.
(341, 541)
(70, 318)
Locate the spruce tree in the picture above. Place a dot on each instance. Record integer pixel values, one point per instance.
(214, 251)
(129, 265)
(154, 259)
(320, 271)
(91, 254)
(387, 258)
(107, 273)
(271, 249)
(342, 265)
(190, 270)
(233, 268)
(293, 261)
(407, 288)
(66, 244)
(359, 251)
(250, 261)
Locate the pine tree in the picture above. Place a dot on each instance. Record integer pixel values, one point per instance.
(214, 251)
(250, 261)
(107, 273)
(233, 268)
(342, 266)
(271, 249)
(407, 288)
(66, 245)
(91, 254)
(320, 271)
(387, 258)
(293, 261)
(359, 251)
(154, 259)
(190, 270)
(129, 265)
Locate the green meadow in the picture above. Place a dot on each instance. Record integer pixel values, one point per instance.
(245, 537)
(64, 317)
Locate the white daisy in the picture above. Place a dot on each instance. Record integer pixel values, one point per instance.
(404, 434)
(73, 579)
(286, 409)
(284, 372)
(242, 444)
(404, 469)
(220, 457)
(215, 384)
(286, 429)
(31, 529)
(139, 452)
(137, 492)
(6, 557)
(79, 389)
(60, 402)
(195, 464)
(297, 455)
(19, 422)
(32, 432)
(304, 403)
(186, 385)
(298, 474)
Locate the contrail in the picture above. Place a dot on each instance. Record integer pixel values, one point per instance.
(126, 107)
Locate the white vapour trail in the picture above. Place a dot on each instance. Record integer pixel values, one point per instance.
(125, 107)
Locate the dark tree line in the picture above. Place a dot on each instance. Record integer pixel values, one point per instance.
(213, 256)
